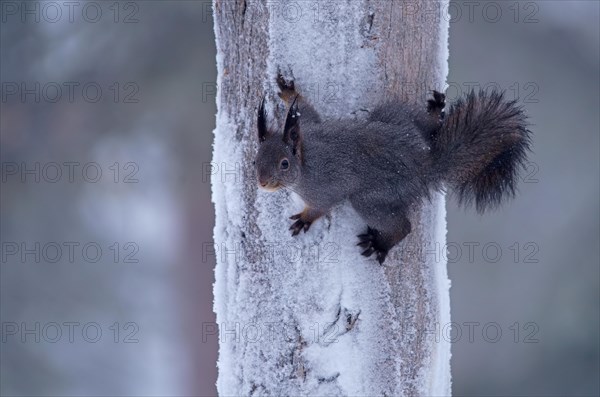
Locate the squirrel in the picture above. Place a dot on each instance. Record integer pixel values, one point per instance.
(393, 160)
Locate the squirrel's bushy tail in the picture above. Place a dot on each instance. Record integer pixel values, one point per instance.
(481, 147)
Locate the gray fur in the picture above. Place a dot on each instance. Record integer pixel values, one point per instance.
(393, 160)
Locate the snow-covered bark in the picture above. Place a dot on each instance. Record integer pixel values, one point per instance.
(309, 315)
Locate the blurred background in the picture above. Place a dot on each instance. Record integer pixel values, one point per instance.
(106, 122)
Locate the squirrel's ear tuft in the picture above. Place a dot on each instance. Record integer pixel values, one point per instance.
(261, 122)
(291, 131)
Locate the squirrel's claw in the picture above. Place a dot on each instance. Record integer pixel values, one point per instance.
(381, 256)
(364, 244)
(369, 241)
(299, 225)
(368, 252)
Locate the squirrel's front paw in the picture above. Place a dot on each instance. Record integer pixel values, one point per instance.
(372, 242)
(299, 224)
(304, 219)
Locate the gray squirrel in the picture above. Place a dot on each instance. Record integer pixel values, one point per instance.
(390, 162)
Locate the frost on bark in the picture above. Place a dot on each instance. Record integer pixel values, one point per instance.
(309, 315)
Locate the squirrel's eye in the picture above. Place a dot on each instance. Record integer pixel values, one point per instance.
(285, 164)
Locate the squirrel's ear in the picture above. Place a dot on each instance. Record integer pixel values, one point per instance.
(291, 131)
(261, 122)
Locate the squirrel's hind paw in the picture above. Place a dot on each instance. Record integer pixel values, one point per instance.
(304, 220)
(371, 243)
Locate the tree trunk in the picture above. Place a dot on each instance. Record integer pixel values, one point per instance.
(309, 315)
